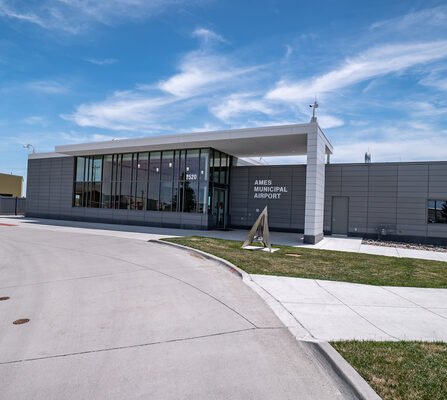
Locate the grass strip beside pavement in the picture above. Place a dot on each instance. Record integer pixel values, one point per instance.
(400, 370)
(325, 264)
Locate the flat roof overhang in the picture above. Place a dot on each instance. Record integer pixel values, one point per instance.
(283, 140)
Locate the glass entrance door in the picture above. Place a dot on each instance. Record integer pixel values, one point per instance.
(219, 208)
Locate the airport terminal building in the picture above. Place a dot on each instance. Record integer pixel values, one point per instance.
(201, 181)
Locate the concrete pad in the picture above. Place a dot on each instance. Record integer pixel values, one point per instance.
(119, 318)
(406, 323)
(114, 311)
(439, 311)
(424, 297)
(27, 264)
(343, 244)
(257, 248)
(356, 295)
(233, 366)
(334, 322)
(290, 290)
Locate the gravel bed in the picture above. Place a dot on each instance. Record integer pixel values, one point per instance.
(414, 246)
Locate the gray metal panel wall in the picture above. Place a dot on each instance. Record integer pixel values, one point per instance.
(50, 195)
(285, 212)
(12, 205)
(50, 186)
(393, 194)
(379, 194)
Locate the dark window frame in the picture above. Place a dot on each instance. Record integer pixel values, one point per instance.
(433, 213)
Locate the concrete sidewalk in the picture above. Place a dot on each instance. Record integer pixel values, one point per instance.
(282, 238)
(326, 310)
(355, 245)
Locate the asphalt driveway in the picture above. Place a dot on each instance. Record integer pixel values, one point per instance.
(116, 318)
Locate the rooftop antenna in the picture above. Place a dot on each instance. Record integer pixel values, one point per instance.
(314, 107)
(29, 147)
(368, 157)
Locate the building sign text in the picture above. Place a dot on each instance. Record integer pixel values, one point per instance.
(265, 189)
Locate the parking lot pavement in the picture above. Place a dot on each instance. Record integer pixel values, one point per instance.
(344, 311)
(119, 318)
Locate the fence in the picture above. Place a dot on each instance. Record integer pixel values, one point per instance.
(12, 205)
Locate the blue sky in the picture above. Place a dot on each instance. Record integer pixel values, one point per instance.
(81, 70)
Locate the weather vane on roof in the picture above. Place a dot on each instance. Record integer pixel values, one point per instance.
(314, 107)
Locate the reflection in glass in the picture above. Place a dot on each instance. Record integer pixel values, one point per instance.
(165, 196)
(153, 195)
(95, 195)
(80, 167)
(202, 206)
(216, 166)
(204, 154)
(97, 169)
(143, 167)
(191, 194)
(437, 211)
(78, 195)
(140, 195)
(126, 168)
(156, 181)
(192, 165)
(167, 165)
(125, 198)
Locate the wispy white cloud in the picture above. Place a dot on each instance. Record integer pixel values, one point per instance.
(419, 20)
(418, 108)
(133, 110)
(9, 12)
(47, 87)
(147, 106)
(74, 16)
(36, 120)
(202, 71)
(392, 140)
(81, 137)
(437, 79)
(327, 121)
(208, 36)
(416, 149)
(211, 89)
(288, 53)
(44, 17)
(103, 61)
(235, 105)
(375, 62)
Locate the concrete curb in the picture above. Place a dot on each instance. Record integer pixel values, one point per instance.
(232, 268)
(342, 369)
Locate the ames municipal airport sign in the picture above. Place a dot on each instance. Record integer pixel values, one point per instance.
(265, 189)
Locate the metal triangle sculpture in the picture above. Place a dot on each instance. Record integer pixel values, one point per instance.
(259, 232)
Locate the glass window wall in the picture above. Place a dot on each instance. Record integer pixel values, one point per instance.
(157, 181)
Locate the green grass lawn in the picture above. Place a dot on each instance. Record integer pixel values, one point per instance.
(400, 370)
(325, 264)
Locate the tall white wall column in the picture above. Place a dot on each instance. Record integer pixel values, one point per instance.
(315, 177)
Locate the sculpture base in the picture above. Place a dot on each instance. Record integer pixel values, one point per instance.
(259, 248)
